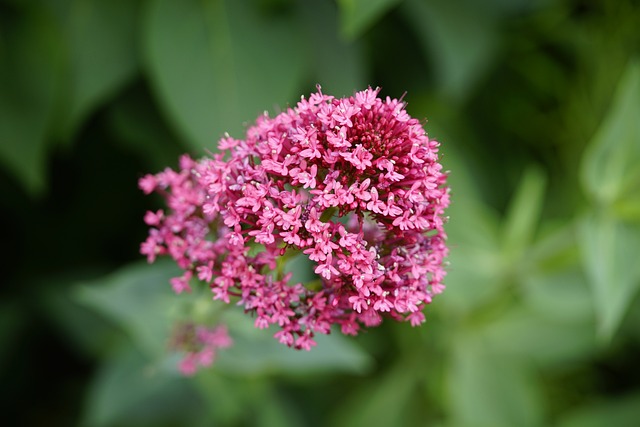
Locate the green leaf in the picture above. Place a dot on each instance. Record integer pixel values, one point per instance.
(326, 50)
(357, 16)
(619, 412)
(129, 391)
(139, 299)
(460, 37)
(216, 65)
(610, 251)
(382, 402)
(101, 38)
(610, 163)
(523, 213)
(490, 389)
(142, 131)
(256, 352)
(31, 66)
(475, 272)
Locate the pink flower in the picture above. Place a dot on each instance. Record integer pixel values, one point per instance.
(352, 184)
(199, 345)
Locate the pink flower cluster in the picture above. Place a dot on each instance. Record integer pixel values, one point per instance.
(353, 184)
(200, 345)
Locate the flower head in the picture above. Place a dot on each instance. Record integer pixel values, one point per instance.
(353, 184)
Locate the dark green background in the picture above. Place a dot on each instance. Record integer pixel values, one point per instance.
(537, 107)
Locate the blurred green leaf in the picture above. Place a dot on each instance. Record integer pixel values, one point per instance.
(490, 389)
(256, 352)
(31, 66)
(142, 131)
(101, 37)
(336, 65)
(610, 251)
(216, 65)
(383, 402)
(610, 163)
(128, 391)
(139, 299)
(476, 267)
(12, 322)
(619, 412)
(357, 16)
(460, 36)
(523, 213)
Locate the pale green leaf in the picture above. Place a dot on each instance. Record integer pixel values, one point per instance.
(523, 213)
(487, 389)
(460, 37)
(129, 391)
(383, 402)
(357, 16)
(610, 163)
(320, 22)
(610, 251)
(31, 66)
(139, 299)
(620, 412)
(101, 37)
(217, 65)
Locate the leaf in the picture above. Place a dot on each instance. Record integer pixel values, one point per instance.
(460, 36)
(382, 402)
(338, 66)
(139, 299)
(31, 66)
(489, 389)
(357, 16)
(216, 65)
(610, 251)
(101, 37)
(127, 391)
(609, 167)
(620, 412)
(12, 325)
(256, 352)
(474, 274)
(523, 213)
(142, 131)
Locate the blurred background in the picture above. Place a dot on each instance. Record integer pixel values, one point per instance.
(536, 104)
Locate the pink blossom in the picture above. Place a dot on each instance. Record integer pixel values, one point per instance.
(352, 184)
(199, 346)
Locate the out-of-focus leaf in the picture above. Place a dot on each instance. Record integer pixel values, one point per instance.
(101, 38)
(610, 164)
(216, 65)
(473, 276)
(31, 66)
(488, 389)
(338, 66)
(383, 403)
(139, 299)
(610, 251)
(255, 352)
(142, 131)
(619, 412)
(460, 36)
(525, 334)
(127, 391)
(357, 16)
(523, 213)
(82, 328)
(11, 323)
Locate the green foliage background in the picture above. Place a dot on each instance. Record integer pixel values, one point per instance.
(537, 106)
